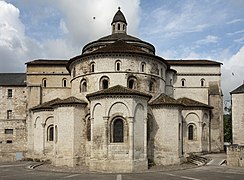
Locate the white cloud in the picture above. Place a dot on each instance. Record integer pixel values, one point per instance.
(74, 27)
(236, 32)
(208, 39)
(12, 39)
(234, 21)
(233, 72)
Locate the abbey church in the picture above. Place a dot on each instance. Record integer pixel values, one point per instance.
(114, 107)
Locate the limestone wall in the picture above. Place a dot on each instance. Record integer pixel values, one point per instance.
(69, 140)
(235, 156)
(13, 125)
(238, 118)
(154, 70)
(166, 135)
(200, 120)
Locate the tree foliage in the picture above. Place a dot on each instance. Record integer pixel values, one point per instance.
(228, 127)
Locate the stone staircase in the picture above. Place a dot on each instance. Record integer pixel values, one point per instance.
(197, 160)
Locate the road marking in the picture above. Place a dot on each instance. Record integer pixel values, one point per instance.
(119, 177)
(72, 175)
(4, 166)
(183, 177)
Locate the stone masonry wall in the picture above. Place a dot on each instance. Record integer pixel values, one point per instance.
(235, 156)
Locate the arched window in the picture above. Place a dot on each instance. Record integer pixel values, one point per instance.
(88, 129)
(119, 27)
(104, 82)
(64, 82)
(143, 67)
(92, 67)
(118, 131)
(50, 133)
(74, 72)
(151, 86)
(83, 86)
(132, 83)
(192, 132)
(183, 82)
(202, 82)
(44, 82)
(118, 65)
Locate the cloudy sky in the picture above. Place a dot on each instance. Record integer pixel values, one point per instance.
(179, 29)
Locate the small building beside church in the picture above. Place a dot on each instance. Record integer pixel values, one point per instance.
(235, 152)
(115, 106)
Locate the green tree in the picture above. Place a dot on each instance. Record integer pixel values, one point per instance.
(228, 127)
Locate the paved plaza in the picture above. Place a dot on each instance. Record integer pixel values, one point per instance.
(212, 171)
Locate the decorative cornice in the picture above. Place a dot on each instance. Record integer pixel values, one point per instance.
(198, 74)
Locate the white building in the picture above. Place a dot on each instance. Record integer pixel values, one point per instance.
(237, 99)
(118, 105)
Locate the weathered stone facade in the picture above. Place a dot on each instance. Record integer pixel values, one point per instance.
(13, 100)
(118, 105)
(235, 156)
(237, 99)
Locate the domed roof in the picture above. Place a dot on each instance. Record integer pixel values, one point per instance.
(120, 46)
(118, 34)
(119, 17)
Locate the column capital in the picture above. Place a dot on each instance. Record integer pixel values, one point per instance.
(43, 125)
(130, 119)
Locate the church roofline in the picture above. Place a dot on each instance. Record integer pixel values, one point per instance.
(112, 53)
(187, 102)
(118, 90)
(196, 62)
(56, 62)
(238, 90)
(13, 79)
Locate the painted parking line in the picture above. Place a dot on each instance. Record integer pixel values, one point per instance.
(70, 176)
(119, 177)
(4, 166)
(183, 177)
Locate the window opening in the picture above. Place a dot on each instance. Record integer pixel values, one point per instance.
(9, 141)
(88, 126)
(118, 66)
(118, 131)
(190, 132)
(9, 114)
(92, 67)
(131, 84)
(10, 93)
(44, 83)
(8, 131)
(143, 67)
(183, 82)
(64, 82)
(119, 27)
(74, 72)
(50, 133)
(202, 82)
(105, 84)
(151, 86)
(83, 87)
